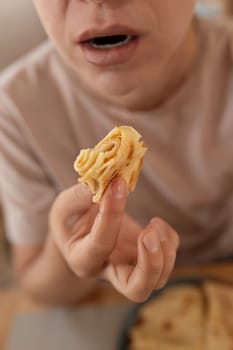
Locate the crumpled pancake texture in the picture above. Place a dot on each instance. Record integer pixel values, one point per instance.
(120, 153)
(186, 318)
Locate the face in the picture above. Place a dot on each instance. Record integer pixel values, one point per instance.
(120, 49)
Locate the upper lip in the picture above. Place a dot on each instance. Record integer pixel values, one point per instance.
(92, 33)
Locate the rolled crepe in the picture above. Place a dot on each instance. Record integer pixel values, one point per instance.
(119, 153)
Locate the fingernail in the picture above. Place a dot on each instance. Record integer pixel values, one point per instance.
(118, 188)
(151, 242)
(162, 236)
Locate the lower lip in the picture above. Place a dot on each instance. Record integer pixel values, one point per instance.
(110, 57)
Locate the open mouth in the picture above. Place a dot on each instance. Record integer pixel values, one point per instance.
(110, 41)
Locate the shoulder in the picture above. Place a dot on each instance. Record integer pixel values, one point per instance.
(216, 76)
(26, 82)
(30, 89)
(34, 62)
(217, 36)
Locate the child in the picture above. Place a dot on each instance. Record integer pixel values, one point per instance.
(149, 64)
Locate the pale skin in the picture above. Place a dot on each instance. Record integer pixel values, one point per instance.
(86, 241)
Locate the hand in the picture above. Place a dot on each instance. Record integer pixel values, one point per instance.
(103, 242)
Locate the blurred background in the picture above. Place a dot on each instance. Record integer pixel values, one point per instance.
(20, 31)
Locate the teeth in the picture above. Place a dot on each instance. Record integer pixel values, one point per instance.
(123, 40)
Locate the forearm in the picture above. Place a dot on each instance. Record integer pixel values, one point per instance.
(48, 278)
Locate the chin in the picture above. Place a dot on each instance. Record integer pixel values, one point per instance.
(115, 84)
(128, 99)
(119, 89)
(122, 89)
(120, 97)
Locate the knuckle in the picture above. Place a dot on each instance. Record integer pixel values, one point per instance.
(174, 236)
(168, 267)
(83, 265)
(72, 262)
(156, 266)
(138, 296)
(113, 214)
(161, 284)
(170, 256)
(156, 270)
(82, 272)
(89, 269)
(165, 275)
(151, 268)
(140, 289)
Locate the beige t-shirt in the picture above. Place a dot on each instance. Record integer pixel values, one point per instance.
(46, 117)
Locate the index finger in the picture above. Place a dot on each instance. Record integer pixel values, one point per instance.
(90, 253)
(108, 220)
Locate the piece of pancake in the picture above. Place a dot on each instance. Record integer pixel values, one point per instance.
(172, 321)
(119, 153)
(219, 317)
